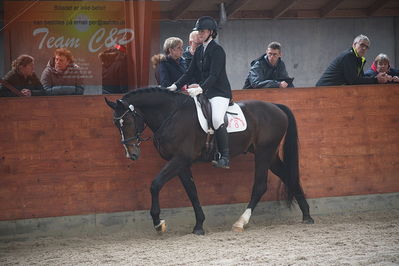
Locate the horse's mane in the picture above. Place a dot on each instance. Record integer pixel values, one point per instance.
(156, 89)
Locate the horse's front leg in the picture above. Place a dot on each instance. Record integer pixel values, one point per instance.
(188, 182)
(170, 170)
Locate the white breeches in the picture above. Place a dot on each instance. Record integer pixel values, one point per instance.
(219, 108)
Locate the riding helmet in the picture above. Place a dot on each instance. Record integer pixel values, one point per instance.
(206, 23)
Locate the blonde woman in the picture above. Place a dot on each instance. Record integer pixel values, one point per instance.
(172, 65)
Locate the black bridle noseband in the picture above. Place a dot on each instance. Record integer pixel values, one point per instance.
(138, 137)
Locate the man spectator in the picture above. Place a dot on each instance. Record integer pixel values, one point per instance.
(193, 43)
(61, 75)
(347, 68)
(268, 71)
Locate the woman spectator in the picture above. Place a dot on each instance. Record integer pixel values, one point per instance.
(61, 75)
(381, 65)
(22, 78)
(172, 66)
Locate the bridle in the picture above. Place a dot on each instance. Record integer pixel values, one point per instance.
(138, 137)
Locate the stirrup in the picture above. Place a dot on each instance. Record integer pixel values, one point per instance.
(221, 163)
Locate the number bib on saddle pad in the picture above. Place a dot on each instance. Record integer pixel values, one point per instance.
(235, 117)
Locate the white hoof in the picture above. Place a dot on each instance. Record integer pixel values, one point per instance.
(237, 228)
(161, 227)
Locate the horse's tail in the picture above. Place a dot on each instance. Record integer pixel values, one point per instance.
(290, 156)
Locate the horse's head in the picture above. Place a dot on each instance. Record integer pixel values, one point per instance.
(131, 125)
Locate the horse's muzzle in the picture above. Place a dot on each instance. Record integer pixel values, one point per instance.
(134, 157)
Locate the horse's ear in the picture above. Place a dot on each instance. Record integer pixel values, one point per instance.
(110, 103)
(121, 104)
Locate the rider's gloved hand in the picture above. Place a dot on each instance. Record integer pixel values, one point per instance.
(194, 91)
(172, 87)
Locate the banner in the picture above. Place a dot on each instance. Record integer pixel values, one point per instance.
(86, 28)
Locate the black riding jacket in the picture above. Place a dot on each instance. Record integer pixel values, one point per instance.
(209, 71)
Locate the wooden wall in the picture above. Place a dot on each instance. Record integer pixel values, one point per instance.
(61, 155)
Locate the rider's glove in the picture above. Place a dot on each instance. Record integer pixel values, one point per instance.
(194, 91)
(172, 87)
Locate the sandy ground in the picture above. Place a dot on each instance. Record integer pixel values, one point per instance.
(352, 239)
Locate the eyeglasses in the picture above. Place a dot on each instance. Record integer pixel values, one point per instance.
(364, 46)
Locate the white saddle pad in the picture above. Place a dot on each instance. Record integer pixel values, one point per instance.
(235, 117)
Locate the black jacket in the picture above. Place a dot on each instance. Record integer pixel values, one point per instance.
(170, 71)
(264, 75)
(18, 81)
(209, 71)
(67, 82)
(188, 57)
(346, 69)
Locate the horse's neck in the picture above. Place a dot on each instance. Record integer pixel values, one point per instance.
(155, 108)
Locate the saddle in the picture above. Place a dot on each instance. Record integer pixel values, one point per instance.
(206, 107)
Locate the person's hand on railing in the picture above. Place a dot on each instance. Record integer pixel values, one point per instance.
(172, 87)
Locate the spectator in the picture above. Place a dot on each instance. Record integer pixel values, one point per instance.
(347, 68)
(381, 65)
(61, 75)
(22, 78)
(193, 43)
(172, 67)
(268, 71)
(114, 70)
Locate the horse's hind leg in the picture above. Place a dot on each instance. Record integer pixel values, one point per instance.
(263, 159)
(278, 169)
(188, 182)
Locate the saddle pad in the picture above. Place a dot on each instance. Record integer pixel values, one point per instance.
(235, 117)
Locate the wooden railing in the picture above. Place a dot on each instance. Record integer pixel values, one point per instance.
(62, 156)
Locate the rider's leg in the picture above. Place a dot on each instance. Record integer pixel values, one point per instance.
(219, 108)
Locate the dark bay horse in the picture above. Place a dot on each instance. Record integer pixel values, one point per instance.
(180, 140)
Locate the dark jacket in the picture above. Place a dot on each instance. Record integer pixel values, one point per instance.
(209, 71)
(264, 75)
(66, 82)
(170, 71)
(188, 57)
(19, 82)
(114, 71)
(346, 69)
(372, 72)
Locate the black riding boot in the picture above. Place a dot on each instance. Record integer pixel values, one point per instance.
(223, 145)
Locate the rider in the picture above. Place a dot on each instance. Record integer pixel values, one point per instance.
(208, 68)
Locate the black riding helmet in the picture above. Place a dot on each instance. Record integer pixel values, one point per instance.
(206, 23)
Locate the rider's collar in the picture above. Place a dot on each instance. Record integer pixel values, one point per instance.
(205, 44)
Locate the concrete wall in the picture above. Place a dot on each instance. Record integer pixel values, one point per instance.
(309, 45)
